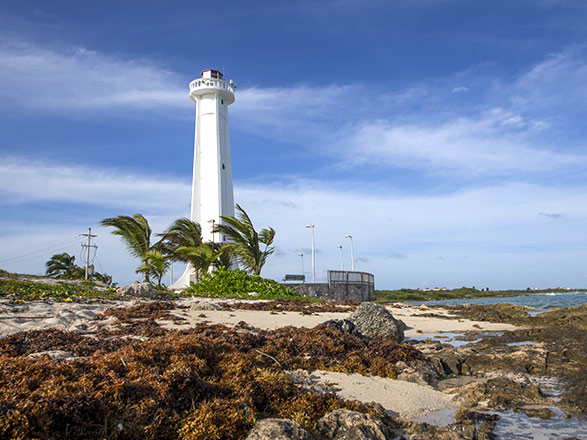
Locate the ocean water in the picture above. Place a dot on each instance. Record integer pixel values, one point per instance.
(539, 302)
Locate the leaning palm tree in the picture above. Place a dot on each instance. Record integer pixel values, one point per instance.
(183, 233)
(201, 258)
(154, 263)
(135, 233)
(63, 266)
(244, 242)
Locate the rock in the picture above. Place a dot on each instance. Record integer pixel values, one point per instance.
(278, 429)
(344, 424)
(541, 413)
(343, 325)
(53, 354)
(141, 290)
(375, 321)
(420, 372)
(203, 305)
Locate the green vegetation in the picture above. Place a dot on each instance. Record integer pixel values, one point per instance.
(135, 232)
(154, 263)
(63, 266)
(461, 293)
(30, 290)
(243, 241)
(225, 283)
(182, 241)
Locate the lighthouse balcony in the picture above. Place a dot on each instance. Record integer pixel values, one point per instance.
(208, 83)
(204, 86)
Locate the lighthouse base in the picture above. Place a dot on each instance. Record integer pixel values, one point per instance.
(183, 282)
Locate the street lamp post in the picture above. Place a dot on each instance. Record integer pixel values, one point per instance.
(302, 256)
(313, 254)
(352, 252)
(341, 257)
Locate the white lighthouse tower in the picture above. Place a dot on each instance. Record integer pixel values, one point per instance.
(212, 193)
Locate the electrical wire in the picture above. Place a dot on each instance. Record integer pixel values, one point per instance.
(39, 251)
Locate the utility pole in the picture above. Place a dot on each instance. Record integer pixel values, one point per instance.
(88, 246)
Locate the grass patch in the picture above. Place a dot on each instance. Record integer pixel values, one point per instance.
(30, 290)
(224, 283)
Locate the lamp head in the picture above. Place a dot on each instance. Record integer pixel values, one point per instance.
(309, 226)
(348, 236)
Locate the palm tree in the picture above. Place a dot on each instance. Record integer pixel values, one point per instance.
(183, 233)
(155, 263)
(102, 277)
(201, 258)
(63, 266)
(135, 233)
(244, 242)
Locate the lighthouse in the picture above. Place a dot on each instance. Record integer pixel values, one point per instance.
(212, 193)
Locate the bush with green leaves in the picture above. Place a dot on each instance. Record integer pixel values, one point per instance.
(224, 283)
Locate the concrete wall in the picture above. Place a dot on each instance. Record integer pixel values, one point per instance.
(335, 291)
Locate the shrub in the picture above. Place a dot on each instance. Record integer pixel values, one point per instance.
(30, 290)
(225, 283)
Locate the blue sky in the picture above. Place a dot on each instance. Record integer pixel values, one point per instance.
(446, 136)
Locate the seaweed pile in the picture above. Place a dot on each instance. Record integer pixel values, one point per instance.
(204, 383)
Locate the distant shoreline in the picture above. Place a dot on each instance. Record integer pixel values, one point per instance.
(462, 293)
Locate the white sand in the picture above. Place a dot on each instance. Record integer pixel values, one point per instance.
(417, 325)
(404, 399)
(79, 317)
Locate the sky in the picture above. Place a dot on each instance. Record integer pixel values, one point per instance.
(448, 137)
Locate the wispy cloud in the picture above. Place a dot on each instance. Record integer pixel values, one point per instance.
(552, 215)
(80, 79)
(492, 143)
(396, 256)
(25, 182)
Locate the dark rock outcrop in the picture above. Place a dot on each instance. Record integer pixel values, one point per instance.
(343, 325)
(344, 424)
(278, 429)
(375, 321)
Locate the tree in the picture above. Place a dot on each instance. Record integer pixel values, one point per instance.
(102, 277)
(183, 233)
(63, 266)
(154, 263)
(207, 255)
(243, 241)
(135, 232)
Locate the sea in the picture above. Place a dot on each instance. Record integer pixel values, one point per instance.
(540, 303)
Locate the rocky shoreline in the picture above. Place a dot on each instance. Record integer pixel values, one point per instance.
(194, 367)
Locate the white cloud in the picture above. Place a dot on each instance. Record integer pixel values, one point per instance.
(80, 79)
(488, 144)
(460, 89)
(26, 182)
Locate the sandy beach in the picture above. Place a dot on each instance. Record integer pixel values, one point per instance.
(80, 317)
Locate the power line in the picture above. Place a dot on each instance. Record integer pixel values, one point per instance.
(88, 247)
(41, 250)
